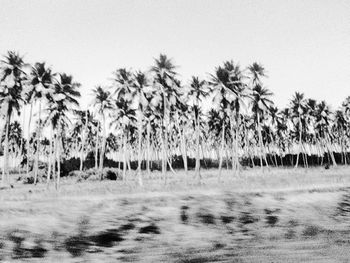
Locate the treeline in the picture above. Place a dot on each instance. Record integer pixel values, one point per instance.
(152, 117)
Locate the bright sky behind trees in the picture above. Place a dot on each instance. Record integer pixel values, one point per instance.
(304, 45)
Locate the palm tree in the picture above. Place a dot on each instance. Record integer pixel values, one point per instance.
(123, 116)
(41, 87)
(260, 105)
(102, 103)
(323, 123)
(85, 124)
(164, 81)
(11, 86)
(340, 126)
(298, 108)
(217, 122)
(62, 101)
(141, 93)
(228, 88)
(197, 93)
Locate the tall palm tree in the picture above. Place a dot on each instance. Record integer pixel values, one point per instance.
(41, 87)
(141, 93)
(323, 124)
(11, 86)
(298, 108)
(60, 104)
(228, 88)
(85, 124)
(164, 81)
(197, 93)
(102, 103)
(340, 126)
(260, 104)
(217, 122)
(123, 117)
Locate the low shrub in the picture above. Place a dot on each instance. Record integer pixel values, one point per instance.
(94, 175)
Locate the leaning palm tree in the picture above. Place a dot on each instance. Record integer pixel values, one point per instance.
(41, 87)
(102, 103)
(11, 86)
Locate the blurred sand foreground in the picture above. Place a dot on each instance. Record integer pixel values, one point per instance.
(281, 215)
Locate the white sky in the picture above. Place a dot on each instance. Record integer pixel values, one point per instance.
(304, 45)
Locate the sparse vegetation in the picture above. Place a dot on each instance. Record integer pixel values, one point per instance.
(104, 220)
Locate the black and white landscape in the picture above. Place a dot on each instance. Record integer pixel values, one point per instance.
(174, 131)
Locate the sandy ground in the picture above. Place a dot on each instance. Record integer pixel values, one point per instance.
(280, 215)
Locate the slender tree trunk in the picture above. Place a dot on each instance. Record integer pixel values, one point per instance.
(328, 141)
(197, 168)
(124, 156)
(140, 182)
(28, 139)
(50, 160)
(96, 147)
(236, 142)
(222, 148)
(148, 149)
(232, 144)
(6, 172)
(2, 131)
(103, 146)
(54, 158)
(165, 141)
(84, 135)
(300, 136)
(260, 141)
(58, 160)
(38, 140)
(183, 146)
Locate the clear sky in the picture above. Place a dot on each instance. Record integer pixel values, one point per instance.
(304, 45)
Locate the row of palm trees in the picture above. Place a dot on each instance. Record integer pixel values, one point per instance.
(152, 116)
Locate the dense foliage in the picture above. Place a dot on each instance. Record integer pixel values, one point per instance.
(152, 116)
